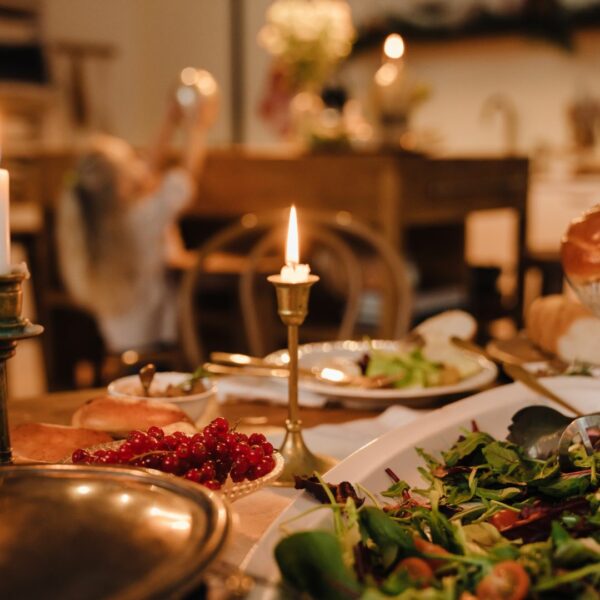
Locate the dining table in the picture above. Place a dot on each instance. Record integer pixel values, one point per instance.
(252, 514)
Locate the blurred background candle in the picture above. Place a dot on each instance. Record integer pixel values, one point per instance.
(293, 272)
(4, 224)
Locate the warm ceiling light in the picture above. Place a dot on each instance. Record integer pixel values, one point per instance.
(393, 47)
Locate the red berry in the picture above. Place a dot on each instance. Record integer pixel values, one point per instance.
(183, 450)
(139, 443)
(212, 484)
(170, 463)
(134, 434)
(220, 424)
(112, 457)
(267, 463)
(156, 432)
(251, 473)
(256, 439)
(230, 440)
(242, 437)
(208, 471)
(237, 476)
(169, 442)
(260, 470)
(198, 452)
(210, 441)
(241, 464)
(197, 438)
(221, 449)
(267, 448)
(194, 475)
(80, 456)
(240, 449)
(254, 456)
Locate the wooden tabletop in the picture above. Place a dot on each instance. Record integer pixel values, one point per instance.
(59, 406)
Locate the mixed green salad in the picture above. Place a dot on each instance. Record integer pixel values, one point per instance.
(420, 367)
(488, 523)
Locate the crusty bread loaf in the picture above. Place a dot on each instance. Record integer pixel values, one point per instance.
(121, 415)
(42, 442)
(580, 249)
(564, 328)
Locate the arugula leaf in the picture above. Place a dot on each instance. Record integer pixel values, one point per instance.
(501, 495)
(570, 552)
(502, 458)
(466, 446)
(396, 489)
(387, 534)
(565, 487)
(311, 562)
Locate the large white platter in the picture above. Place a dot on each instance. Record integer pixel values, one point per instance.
(323, 353)
(437, 431)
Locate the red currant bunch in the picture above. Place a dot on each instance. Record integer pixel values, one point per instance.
(208, 457)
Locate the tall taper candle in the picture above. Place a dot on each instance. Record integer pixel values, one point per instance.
(4, 224)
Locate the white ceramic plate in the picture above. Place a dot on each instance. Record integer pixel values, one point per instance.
(437, 431)
(323, 353)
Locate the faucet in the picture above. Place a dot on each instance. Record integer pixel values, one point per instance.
(501, 104)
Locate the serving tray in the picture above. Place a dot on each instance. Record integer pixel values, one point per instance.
(71, 531)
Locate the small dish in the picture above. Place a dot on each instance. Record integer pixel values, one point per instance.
(231, 491)
(192, 404)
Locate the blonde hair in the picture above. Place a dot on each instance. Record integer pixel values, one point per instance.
(96, 257)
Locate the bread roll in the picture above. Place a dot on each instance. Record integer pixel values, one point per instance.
(448, 324)
(564, 328)
(121, 415)
(42, 442)
(580, 249)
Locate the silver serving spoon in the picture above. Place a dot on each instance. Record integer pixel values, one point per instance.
(146, 375)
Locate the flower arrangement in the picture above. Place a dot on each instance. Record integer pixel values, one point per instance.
(307, 38)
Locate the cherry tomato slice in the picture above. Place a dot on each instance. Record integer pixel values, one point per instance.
(417, 569)
(430, 548)
(507, 581)
(503, 519)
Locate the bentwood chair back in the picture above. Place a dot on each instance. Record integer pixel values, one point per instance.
(350, 258)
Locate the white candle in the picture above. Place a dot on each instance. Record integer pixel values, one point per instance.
(293, 272)
(4, 224)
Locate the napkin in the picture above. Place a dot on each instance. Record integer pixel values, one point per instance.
(256, 388)
(342, 439)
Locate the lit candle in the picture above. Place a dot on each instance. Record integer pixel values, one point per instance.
(293, 272)
(4, 224)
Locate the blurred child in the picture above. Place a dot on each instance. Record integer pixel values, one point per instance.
(116, 225)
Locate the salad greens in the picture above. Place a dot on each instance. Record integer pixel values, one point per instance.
(488, 523)
(421, 367)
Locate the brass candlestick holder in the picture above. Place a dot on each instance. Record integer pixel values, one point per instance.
(13, 328)
(292, 307)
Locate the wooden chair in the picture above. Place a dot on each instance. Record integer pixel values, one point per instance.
(252, 248)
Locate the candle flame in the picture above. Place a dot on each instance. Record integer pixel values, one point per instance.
(393, 47)
(292, 252)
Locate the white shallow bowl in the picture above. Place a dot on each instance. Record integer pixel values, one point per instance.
(192, 404)
(437, 431)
